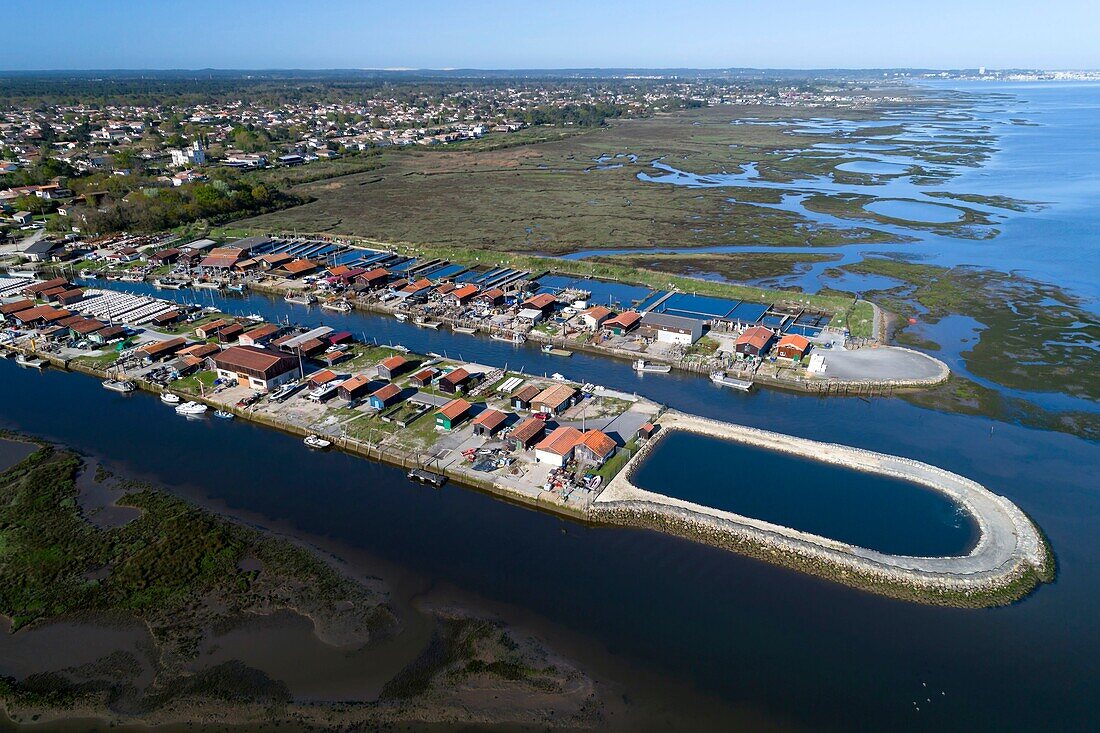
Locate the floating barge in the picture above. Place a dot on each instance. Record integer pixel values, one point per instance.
(425, 476)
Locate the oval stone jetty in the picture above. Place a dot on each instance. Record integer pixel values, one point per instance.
(1009, 559)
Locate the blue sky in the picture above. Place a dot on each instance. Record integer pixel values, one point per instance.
(249, 34)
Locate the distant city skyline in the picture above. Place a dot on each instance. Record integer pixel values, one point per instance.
(278, 34)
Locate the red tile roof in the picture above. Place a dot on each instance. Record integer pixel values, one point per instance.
(454, 408)
(561, 441)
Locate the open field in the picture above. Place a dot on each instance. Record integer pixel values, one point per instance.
(559, 196)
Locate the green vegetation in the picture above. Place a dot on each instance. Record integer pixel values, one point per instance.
(730, 267)
(100, 361)
(611, 468)
(1033, 337)
(190, 384)
(1000, 202)
(177, 568)
(972, 224)
(549, 196)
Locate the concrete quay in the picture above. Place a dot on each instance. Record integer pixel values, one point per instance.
(1009, 559)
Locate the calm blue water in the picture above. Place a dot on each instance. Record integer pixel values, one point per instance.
(872, 511)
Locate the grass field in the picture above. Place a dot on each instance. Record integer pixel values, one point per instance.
(551, 196)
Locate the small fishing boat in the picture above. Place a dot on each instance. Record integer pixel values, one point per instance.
(133, 278)
(558, 377)
(254, 318)
(166, 284)
(641, 365)
(224, 415)
(169, 399)
(317, 442)
(401, 317)
(301, 299)
(516, 338)
(428, 323)
(191, 408)
(549, 349)
(402, 349)
(125, 386)
(594, 482)
(209, 285)
(32, 362)
(722, 380)
(235, 288)
(340, 306)
(464, 329)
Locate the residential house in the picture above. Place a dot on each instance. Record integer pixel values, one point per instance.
(792, 346)
(385, 396)
(455, 381)
(554, 399)
(452, 414)
(392, 366)
(521, 400)
(256, 367)
(595, 448)
(672, 329)
(558, 447)
(489, 422)
(595, 317)
(623, 323)
(754, 341)
(527, 433)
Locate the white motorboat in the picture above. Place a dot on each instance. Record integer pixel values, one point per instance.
(340, 306)
(191, 408)
(317, 442)
(30, 361)
(254, 318)
(166, 284)
(124, 386)
(558, 377)
(169, 398)
(722, 380)
(235, 288)
(428, 323)
(224, 414)
(641, 365)
(303, 299)
(464, 329)
(401, 317)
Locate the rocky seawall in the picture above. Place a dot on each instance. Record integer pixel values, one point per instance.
(1009, 560)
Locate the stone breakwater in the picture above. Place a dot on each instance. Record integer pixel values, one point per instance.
(1008, 561)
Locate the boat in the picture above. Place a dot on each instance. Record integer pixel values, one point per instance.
(549, 349)
(224, 414)
(427, 323)
(301, 299)
(340, 306)
(30, 361)
(133, 278)
(235, 288)
(641, 365)
(558, 377)
(316, 441)
(166, 284)
(594, 482)
(402, 349)
(722, 380)
(516, 338)
(254, 318)
(463, 329)
(119, 385)
(191, 408)
(169, 399)
(401, 317)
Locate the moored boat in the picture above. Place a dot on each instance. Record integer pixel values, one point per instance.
(641, 365)
(463, 329)
(401, 317)
(340, 306)
(191, 408)
(169, 398)
(235, 288)
(300, 299)
(124, 386)
(224, 414)
(317, 442)
(30, 361)
(722, 380)
(516, 338)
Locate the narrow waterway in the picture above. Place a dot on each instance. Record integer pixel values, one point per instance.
(753, 635)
